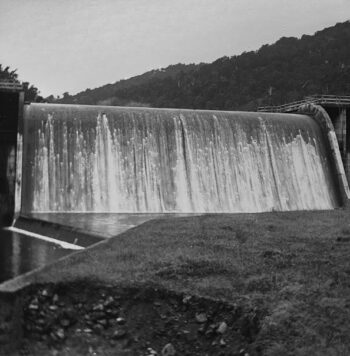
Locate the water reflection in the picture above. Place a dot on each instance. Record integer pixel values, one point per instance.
(102, 224)
(20, 254)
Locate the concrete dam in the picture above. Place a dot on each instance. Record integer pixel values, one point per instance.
(135, 160)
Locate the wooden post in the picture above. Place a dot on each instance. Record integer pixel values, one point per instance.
(11, 127)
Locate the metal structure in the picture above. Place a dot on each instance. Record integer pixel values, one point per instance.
(10, 86)
(323, 100)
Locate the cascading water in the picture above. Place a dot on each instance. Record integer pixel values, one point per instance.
(108, 159)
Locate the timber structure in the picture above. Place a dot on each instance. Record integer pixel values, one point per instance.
(338, 109)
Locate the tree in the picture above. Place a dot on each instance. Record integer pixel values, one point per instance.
(7, 75)
(31, 93)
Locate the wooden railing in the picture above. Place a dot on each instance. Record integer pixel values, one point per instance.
(331, 100)
(10, 85)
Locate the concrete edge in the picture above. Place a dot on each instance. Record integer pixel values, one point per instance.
(58, 231)
(319, 114)
(22, 281)
(16, 284)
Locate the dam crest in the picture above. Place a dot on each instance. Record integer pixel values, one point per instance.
(136, 160)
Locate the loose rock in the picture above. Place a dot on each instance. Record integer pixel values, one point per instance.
(119, 334)
(168, 350)
(151, 352)
(109, 301)
(103, 322)
(201, 318)
(222, 328)
(186, 299)
(98, 307)
(222, 343)
(60, 334)
(120, 321)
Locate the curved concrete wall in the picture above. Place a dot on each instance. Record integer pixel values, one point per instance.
(321, 116)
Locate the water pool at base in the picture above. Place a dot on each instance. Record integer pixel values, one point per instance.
(104, 225)
(21, 253)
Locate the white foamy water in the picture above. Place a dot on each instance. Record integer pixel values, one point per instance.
(104, 159)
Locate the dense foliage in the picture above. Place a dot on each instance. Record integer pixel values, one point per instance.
(282, 72)
(31, 93)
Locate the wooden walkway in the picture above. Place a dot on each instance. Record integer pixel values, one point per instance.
(323, 100)
(10, 86)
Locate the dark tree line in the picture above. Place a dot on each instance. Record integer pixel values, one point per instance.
(282, 72)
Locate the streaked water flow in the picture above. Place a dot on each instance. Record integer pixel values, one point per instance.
(105, 159)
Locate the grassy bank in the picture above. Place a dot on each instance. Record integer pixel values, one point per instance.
(294, 267)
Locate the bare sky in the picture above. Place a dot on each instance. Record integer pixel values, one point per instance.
(71, 45)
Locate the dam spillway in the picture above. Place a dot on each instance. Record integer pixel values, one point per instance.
(135, 160)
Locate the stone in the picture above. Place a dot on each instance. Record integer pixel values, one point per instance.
(98, 307)
(151, 352)
(60, 334)
(109, 301)
(110, 311)
(33, 306)
(53, 307)
(222, 343)
(168, 350)
(102, 322)
(120, 321)
(222, 328)
(201, 318)
(186, 299)
(119, 334)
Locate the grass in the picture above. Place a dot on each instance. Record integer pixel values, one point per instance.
(296, 266)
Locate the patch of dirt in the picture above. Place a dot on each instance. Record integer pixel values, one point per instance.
(91, 319)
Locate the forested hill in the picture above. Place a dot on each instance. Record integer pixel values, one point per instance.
(282, 72)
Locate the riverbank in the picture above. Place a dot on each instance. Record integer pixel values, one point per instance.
(286, 273)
